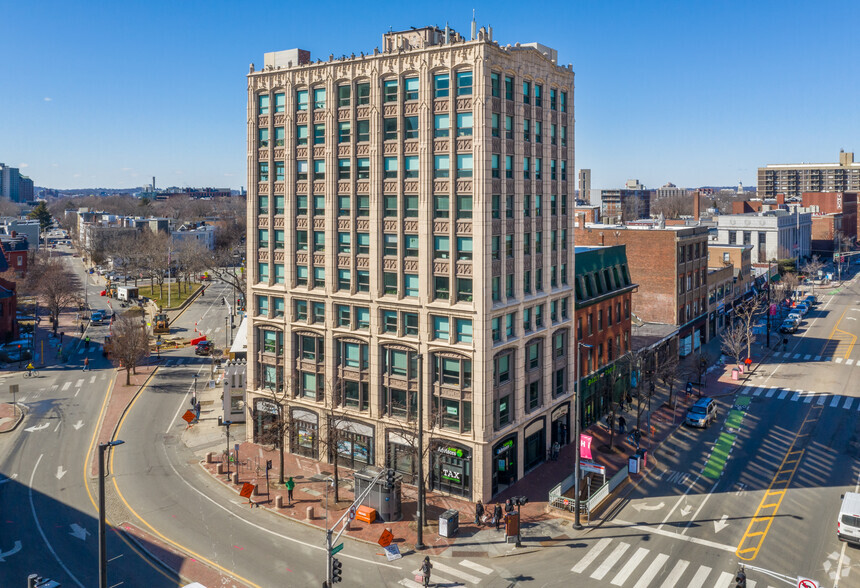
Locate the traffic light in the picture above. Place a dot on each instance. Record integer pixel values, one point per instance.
(223, 301)
(519, 500)
(741, 579)
(268, 464)
(336, 571)
(389, 478)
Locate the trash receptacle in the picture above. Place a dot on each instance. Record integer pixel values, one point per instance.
(449, 522)
(735, 373)
(643, 456)
(633, 464)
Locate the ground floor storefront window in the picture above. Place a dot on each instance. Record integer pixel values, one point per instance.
(534, 445)
(265, 421)
(354, 444)
(401, 456)
(304, 433)
(451, 469)
(504, 464)
(560, 419)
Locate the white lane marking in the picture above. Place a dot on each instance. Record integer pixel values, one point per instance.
(771, 392)
(76, 392)
(67, 385)
(675, 574)
(652, 571)
(651, 529)
(838, 360)
(590, 556)
(610, 561)
(628, 568)
(796, 395)
(263, 529)
(699, 579)
(39, 526)
(817, 358)
(58, 426)
(726, 579)
(821, 400)
(93, 380)
(796, 356)
(808, 398)
(410, 584)
(835, 401)
(476, 566)
(79, 383)
(848, 402)
(849, 361)
(758, 391)
(437, 565)
(782, 395)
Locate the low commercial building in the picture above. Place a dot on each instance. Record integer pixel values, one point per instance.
(773, 235)
(721, 286)
(739, 257)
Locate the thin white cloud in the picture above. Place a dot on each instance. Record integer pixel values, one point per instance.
(55, 165)
(48, 98)
(126, 169)
(23, 165)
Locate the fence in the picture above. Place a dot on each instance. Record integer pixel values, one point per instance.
(561, 502)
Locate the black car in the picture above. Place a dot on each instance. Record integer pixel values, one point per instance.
(204, 348)
(788, 327)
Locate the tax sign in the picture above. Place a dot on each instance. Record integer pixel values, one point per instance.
(806, 583)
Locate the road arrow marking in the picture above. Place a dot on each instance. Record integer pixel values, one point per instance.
(78, 425)
(79, 532)
(686, 509)
(4, 479)
(721, 524)
(641, 507)
(35, 428)
(12, 551)
(60, 472)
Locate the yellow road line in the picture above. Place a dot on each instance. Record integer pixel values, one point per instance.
(87, 465)
(151, 528)
(836, 329)
(750, 553)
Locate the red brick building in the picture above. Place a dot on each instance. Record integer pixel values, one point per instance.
(602, 316)
(16, 251)
(670, 266)
(825, 204)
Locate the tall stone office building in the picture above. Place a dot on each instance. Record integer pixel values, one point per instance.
(410, 212)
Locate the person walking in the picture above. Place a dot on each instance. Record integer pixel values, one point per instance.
(86, 364)
(87, 342)
(622, 425)
(82, 328)
(290, 485)
(479, 512)
(555, 450)
(637, 437)
(509, 506)
(426, 566)
(197, 411)
(497, 515)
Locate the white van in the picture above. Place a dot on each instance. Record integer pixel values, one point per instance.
(848, 523)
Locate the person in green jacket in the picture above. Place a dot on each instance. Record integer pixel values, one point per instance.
(290, 485)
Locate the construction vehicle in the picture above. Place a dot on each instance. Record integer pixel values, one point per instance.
(107, 349)
(160, 323)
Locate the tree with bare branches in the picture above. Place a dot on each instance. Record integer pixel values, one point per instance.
(278, 431)
(811, 269)
(613, 392)
(668, 372)
(733, 341)
(130, 342)
(51, 280)
(746, 314)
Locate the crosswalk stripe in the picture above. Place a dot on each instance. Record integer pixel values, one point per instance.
(849, 361)
(455, 572)
(699, 579)
(796, 395)
(809, 398)
(848, 402)
(838, 360)
(675, 574)
(476, 566)
(758, 391)
(628, 568)
(79, 383)
(770, 392)
(817, 358)
(821, 399)
(746, 389)
(796, 356)
(410, 583)
(610, 561)
(726, 579)
(652, 571)
(782, 395)
(591, 556)
(66, 386)
(92, 380)
(439, 580)
(835, 401)
(807, 357)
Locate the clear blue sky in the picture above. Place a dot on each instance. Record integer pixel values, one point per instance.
(696, 93)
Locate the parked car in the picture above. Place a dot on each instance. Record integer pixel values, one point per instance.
(204, 348)
(795, 317)
(802, 308)
(788, 326)
(702, 413)
(810, 301)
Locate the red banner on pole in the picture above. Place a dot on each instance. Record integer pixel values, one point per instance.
(585, 446)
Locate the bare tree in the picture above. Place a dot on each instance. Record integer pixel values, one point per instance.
(278, 432)
(190, 256)
(130, 342)
(334, 440)
(733, 341)
(667, 372)
(811, 269)
(746, 313)
(51, 279)
(613, 376)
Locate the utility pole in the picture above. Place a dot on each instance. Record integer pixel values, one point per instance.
(419, 542)
(576, 397)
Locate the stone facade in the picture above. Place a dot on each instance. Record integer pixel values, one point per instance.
(403, 205)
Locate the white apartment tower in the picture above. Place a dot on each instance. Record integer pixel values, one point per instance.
(410, 240)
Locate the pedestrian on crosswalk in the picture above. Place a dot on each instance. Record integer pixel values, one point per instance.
(426, 566)
(86, 364)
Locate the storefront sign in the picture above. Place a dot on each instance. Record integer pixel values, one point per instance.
(505, 447)
(452, 473)
(452, 451)
(267, 406)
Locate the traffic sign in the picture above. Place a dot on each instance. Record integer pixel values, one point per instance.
(188, 416)
(806, 583)
(386, 538)
(351, 513)
(337, 548)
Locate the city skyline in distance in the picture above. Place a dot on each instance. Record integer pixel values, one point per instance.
(665, 92)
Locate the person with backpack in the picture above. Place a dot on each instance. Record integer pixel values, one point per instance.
(426, 566)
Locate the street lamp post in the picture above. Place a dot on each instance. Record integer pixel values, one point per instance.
(769, 286)
(577, 394)
(102, 543)
(194, 395)
(419, 542)
(226, 332)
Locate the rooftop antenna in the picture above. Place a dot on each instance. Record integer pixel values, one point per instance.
(474, 25)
